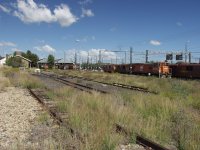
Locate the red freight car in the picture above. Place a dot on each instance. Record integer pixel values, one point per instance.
(109, 68)
(160, 69)
(123, 68)
(184, 70)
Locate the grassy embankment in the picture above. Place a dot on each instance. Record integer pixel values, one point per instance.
(172, 117)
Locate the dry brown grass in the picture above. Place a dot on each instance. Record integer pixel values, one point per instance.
(21, 78)
(4, 82)
(171, 118)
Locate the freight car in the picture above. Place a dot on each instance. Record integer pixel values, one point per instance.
(109, 68)
(123, 68)
(161, 69)
(185, 70)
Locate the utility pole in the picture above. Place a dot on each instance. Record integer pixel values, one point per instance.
(64, 57)
(125, 57)
(99, 56)
(147, 53)
(88, 58)
(186, 52)
(131, 52)
(189, 57)
(75, 58)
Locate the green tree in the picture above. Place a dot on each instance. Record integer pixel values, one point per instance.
(51, 60)
(15, 53)
(14, 62)
(31, 56)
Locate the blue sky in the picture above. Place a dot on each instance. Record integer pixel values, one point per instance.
(60, 26)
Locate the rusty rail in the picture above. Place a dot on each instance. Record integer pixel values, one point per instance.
(146, 143)
(125, 86)
(56, 116)
(73, 84)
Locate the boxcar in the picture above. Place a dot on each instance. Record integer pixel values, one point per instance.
(161, 69)
(184, 70)
(109, 68)
(123, 68)
(141, 68)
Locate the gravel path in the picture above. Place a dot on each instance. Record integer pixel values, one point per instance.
(18, 111)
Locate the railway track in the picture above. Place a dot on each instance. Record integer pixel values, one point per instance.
(130, 87)
(89, 89)
(140, 140)
(61, 120)
(79, 86)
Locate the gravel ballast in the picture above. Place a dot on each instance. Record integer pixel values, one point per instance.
(18, 112)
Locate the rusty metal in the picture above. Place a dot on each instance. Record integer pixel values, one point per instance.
(52, 113)
(140, 140)
(130, 87)
(73, 84)
(148, 143)
(185, 70)
(56, 116)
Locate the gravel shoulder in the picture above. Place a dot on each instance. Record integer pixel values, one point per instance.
(18, 112)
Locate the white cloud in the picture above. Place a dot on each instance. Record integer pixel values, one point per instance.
(155, 42)
(85, 39)
(64, 16)
(179, 24)
(87, 13)
(9, 44)
(4, 9)
(16, 49)
(70, 55)
(82, 55)
(95, 52)
(30, 12)
(77, 40)
(84, 2)
(46, 48)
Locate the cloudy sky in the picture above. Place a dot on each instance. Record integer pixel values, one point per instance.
(59, 26)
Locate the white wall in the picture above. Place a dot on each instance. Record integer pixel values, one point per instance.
(2, 61)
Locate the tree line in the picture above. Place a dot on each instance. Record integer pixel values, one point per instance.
(17, 61)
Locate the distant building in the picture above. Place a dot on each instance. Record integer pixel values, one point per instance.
(42, 63)
(2, 61)
(59, 64)
(25, 62)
